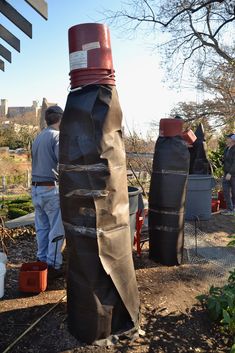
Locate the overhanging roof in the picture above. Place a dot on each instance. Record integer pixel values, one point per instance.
(40, 6)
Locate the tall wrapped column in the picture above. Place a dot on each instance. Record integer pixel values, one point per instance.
(102, 294)
(167, 195)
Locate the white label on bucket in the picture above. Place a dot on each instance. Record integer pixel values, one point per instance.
(90, 46)
(78, 60)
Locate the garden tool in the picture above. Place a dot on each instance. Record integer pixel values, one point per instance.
(55, 240)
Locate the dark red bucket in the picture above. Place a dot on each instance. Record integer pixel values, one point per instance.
(215, 205)
(90, 55)
(170, 127)
(189, 136)
(222, 200)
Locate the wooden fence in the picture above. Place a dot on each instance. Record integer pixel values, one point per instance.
(20, 181)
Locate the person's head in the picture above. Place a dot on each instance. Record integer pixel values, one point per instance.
(230, 141)
(53, 115)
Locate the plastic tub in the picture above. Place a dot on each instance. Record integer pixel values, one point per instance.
(2, 278)
(135, 196)
(198, 197)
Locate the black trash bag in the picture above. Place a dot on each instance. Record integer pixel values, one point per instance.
(199, 163)
(102, 294)
(167, 200)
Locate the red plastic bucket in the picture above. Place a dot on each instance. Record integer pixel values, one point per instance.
(170, 127)
(215, 205)
(222, 200)
(90, 55)
(33, 277)
(189, 136)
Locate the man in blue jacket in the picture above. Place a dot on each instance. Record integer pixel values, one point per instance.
(229, 176)
(45, 192)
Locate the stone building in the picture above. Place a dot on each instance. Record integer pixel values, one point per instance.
(12, 112)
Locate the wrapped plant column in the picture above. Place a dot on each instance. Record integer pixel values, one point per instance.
(101, 284)
(167, 199)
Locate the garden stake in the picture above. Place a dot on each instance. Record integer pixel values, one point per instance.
(55, 240)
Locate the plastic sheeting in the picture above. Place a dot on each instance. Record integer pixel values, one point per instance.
(101, 284)
(199, 163)
(167, 200)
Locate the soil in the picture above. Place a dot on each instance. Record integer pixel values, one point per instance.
(171, 318)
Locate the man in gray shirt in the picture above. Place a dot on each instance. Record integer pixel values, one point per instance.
(45, 192)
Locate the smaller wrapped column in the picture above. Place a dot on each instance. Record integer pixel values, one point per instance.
(167, 199)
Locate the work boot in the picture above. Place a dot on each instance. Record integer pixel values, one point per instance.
(54, 273)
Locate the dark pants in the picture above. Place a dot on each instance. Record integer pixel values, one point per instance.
(229, 192)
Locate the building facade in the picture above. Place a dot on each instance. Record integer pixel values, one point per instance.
(12, 112)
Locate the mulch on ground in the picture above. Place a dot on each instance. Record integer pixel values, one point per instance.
(170, 315)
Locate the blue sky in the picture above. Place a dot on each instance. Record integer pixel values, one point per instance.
(41, 69)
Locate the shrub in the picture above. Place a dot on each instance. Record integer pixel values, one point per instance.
(16, 212)
(13, 208)
(220, 303)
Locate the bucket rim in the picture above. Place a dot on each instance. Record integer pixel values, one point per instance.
(136, 190)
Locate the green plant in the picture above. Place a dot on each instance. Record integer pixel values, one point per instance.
(216, 158)
(25, 206)
(16, 212)
(220, 303)
(232, 348)
(232, 241)
(16, 207)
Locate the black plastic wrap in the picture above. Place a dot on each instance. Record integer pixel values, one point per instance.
(167, 200)
(102, 294)
(199, 162)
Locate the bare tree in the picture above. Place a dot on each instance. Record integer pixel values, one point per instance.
(221, 82)
(216, 112)
(213, 113)
(191, 29)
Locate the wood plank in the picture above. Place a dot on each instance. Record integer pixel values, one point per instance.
(15, 17)
(9, 38)
(40, 6)
(2, 66)
(23, 221)
(5, 53)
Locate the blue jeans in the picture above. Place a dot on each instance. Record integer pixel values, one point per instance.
(229, 192)
(48, 224)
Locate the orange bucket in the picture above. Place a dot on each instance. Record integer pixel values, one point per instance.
(33, 277)
(189, 136)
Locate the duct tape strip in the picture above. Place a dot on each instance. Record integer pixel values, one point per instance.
(88, 193)
(166, 228)
(89, 231)
(166, 171)
(80, 230)
(98, 167)
(166, 212)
